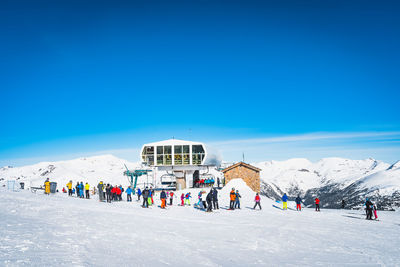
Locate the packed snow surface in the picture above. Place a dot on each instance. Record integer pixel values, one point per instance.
(41, 230)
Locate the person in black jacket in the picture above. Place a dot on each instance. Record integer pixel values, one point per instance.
(209, 198)
(145, 194)
(215, 198)
(369, 206)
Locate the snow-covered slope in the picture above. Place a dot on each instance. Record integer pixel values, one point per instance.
(91, 169)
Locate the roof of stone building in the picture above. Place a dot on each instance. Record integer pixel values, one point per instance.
(241, 164)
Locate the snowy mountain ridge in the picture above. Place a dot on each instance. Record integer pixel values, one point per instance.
(332, 179)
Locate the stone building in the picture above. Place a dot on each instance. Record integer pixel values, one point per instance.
(247, 172)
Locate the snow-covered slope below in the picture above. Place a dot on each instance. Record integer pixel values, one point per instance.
(40, 230)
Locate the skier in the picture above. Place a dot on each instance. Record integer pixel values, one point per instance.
(163, 198)
(343, 203)
(139, 193)
(47, 186)
(257, 200)
(182, 199)
(128, 194)
(215, 199)
(298, 203)
(369, 206)
(87, 188)
(237, 200)
(171, 196)
(232, 198)
(69, 186)
(145, 196)
(317, 204)
(284, 201)
(100, 188)
(209, 198)
(187, 198)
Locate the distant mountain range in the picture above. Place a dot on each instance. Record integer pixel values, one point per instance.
(331, 179)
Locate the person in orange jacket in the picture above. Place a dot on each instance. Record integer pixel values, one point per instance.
(317, 204)
(233, 198)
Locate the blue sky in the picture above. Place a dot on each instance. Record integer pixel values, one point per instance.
(81, 78)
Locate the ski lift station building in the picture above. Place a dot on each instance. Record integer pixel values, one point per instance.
(184, 162)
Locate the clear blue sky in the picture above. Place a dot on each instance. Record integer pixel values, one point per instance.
(84, 77)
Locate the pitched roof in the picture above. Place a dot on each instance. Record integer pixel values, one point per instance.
(241, 164)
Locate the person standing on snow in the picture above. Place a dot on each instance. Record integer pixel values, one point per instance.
(163, 197)
(108, 193)
(215, 198)
(298, 203)
(171, 197)
(232, 196)
(237, 200)
(139, 193)
(145, 196)
(284, 201)
(317, 201)
(87, 188)
(69, 186)
(187, 198)
(369, 207)
(182, 199)
(209, 198)
(100, 189)
(128, 194)
(257, 200)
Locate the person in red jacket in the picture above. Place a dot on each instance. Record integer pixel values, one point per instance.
(257, 200)
(317, 204)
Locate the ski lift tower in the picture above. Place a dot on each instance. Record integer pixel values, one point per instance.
(134, 175)
(181, 160)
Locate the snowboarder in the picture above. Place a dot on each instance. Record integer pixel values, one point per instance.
(215, 199)
(139, 193)
(369, 206)
(69, 186)
(317, 201)
(284, 201)
(100, 188)
(237, 200)
(87, 188)
(257, 200)
(128, 194)
(298, 203)
(47, 186)
(232, 196)
(163, 198)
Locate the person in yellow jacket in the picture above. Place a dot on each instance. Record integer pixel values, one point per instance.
(87, 188)
(47, 186)
(69, 186)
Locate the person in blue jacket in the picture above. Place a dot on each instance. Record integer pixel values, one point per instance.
(128, 194)
(139, 193)
(284, 200)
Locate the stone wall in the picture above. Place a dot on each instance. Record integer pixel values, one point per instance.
(251, 177)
